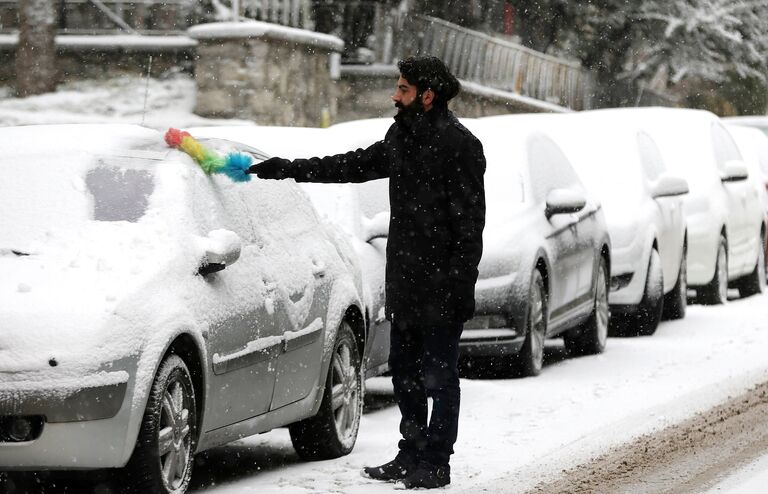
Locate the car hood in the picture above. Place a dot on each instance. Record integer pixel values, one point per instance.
(63, 304)
(508, 241)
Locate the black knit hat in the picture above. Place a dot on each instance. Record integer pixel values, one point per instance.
(430, 73)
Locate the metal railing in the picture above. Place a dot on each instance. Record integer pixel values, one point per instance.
(294, 13)
(496, 63)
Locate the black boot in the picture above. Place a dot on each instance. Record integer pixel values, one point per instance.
(427, 476)
(397, 469)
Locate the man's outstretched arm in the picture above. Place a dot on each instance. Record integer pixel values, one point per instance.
(355, 166)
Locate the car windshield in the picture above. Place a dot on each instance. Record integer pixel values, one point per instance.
(504, 189)
(72, 191)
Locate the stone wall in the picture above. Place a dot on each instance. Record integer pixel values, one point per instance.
(102, 57)
(270, 74)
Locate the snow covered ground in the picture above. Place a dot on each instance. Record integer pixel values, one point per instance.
(169, 103)
(513, 433)
(516, 433)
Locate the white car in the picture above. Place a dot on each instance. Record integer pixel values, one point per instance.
(753, 145)
(149, 311)
(723, 211)
(621, 165)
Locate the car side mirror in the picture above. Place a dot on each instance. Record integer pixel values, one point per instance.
(564, 201)
(734, 171)
(376, 227)
(669, 186)
(219, 249)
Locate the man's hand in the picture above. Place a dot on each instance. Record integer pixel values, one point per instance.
(274, 168)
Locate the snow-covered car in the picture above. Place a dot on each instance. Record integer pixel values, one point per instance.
(621, 165)
(149, 311)
(360, 210)
(546, 261)
(753, 145)
(723, 211)
(758, 122)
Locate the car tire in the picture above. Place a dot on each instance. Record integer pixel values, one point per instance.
(529, 360)
(676, 301)
(332, 432)
(591, 337)
(645, 320)
(163, 457)
(754, 282)
(716, 291)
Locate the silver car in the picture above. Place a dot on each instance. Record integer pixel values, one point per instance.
(149, 311)
(546, 258)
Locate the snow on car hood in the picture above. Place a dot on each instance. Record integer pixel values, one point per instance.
(58, 300)
(69, 251)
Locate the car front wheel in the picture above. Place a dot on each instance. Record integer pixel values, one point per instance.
(162, 460)
(716, 291)
(676, 301)
(529, 360)
(333, 431)
(646, 319)
(592, 336)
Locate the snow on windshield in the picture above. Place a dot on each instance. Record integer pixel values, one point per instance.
(72, 180)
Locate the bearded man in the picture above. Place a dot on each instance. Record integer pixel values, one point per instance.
(435, 168)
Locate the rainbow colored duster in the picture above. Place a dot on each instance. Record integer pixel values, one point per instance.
(233, 165)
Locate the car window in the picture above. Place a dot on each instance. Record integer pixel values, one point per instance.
(724, 146)
(650, 156)
(119, 193)
(549, 168)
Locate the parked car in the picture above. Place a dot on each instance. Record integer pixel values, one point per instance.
(360, 210)
(150, 311)
(753, 145)
(622, 166)
(546, 261)
(723, 212)
(758, 122)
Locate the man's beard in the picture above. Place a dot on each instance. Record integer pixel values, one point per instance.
(408, 114)
(414, 108)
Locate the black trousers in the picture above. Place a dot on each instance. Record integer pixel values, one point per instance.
(424, 363)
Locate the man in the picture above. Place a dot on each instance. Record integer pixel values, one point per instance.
(437, 201)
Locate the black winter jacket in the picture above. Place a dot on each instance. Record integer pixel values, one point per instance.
(437, 211)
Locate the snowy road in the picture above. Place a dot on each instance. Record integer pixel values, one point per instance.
(517, 433)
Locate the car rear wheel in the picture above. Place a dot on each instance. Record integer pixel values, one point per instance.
(676, 301)
(530, 359)
(162, 460)
(754, 282)
(716, 291)
(333, 431)
(591, 337)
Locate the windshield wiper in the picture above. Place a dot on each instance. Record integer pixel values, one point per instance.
(5, 251)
